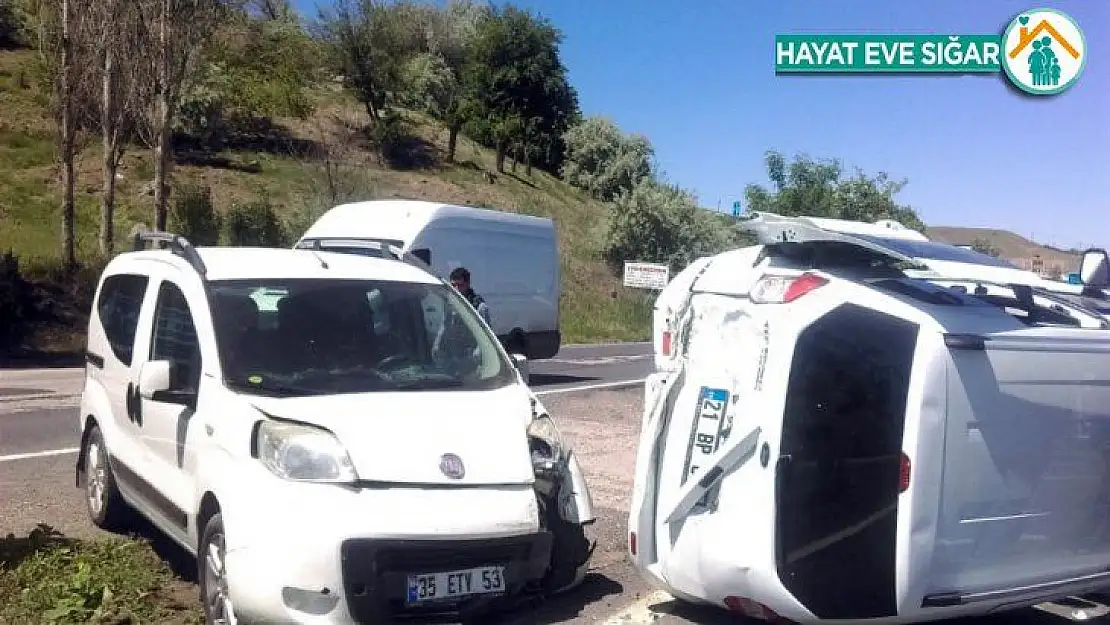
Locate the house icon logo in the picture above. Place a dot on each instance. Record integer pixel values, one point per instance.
(1044, 51)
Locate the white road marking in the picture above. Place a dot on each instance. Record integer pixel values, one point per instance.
(39, 454)
(639, 612)
(603, 345)
(597, 360)
(590, 387)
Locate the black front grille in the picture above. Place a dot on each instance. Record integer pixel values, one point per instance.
(375, 572)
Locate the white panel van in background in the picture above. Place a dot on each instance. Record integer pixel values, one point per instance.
(513, 259)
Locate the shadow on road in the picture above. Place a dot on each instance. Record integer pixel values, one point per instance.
(31, 359)
(547, 379)
(181, 562)
(595, 587)
(15, 549)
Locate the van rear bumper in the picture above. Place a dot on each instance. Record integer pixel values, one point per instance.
(538, 345)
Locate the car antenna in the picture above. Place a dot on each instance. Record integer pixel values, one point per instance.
(323, 263)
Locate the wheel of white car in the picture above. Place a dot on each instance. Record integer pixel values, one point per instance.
(105, 505)
(212, 574)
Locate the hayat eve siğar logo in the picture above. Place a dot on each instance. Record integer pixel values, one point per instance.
(1044, 51)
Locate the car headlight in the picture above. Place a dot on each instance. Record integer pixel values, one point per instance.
(545, 442)
(303, 453)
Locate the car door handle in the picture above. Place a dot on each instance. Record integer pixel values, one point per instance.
(208, 429)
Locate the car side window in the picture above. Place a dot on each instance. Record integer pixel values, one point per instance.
(175, 338)
(118, 306)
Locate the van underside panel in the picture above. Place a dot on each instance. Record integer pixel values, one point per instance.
(837, 480)
(1026, 493)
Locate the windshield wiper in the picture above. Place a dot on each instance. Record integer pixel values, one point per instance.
(428, 382)
(277, 390)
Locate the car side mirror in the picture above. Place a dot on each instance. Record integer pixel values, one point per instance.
(154, 378)
(521, 362)
(1094, 269)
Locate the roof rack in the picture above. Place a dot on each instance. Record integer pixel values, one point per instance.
(178, 244)
(322, 244)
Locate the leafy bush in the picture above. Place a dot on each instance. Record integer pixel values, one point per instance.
(255, 224)
(604, 161)
(657, 222)
(193, 216)
(984, 246)
(390, 135)
(201, 115)
(11, 26)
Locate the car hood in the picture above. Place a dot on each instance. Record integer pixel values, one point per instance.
(401, 437)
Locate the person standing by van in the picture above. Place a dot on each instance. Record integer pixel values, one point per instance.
(460, 279)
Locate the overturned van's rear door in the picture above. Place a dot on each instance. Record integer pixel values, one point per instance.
(839, 473)
(1026, 479)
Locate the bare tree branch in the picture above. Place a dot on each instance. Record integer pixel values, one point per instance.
(180, 29)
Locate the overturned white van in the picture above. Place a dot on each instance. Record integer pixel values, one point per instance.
(826, 438)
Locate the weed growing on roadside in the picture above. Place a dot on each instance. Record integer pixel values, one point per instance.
(48, 577)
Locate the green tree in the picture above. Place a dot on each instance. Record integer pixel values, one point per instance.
(983, 246)
(369, 44)
(603, 160)
(434, 78)
(11, 25)
(520, 87)
(256, 67)
(818, 188)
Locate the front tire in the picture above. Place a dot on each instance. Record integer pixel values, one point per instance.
(106, 507)
(212, 574)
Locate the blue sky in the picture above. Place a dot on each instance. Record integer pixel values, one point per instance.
(700, 83)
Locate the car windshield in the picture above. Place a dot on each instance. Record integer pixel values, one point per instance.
(299, 337)
(933, 250)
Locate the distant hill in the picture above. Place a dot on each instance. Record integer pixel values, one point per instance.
(1012, 247)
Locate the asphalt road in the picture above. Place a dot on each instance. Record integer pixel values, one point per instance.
(592, 391)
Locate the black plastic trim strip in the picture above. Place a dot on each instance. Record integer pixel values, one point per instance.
(946, 599)
(147, 491)
(970, 342)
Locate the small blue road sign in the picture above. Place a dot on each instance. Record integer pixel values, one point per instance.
(736, 208)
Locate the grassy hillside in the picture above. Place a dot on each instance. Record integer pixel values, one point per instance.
(1010, 246)
(595, 306)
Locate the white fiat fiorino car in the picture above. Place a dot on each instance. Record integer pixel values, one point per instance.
(826, 439)
(330, 454)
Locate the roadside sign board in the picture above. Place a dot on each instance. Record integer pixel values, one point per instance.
(736, 208)
(646, 275)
